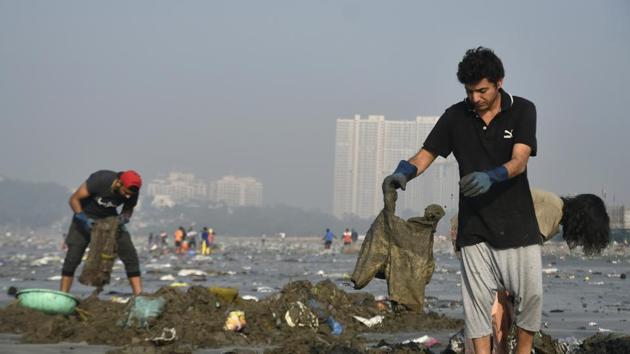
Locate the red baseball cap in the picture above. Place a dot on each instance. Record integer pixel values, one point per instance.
(131, 179)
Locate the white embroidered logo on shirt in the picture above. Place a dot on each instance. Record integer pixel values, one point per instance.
(105, 204)
(508, 134)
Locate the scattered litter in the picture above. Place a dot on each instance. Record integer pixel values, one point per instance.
(568, 344)
(45, 260)
(167, 277)
(168, 335)
(265, 289)
(120, 299)
(299, 315)
(249, 297)
(592, 324)
(424, 340)
(55, 277)
(178, 284)
(226, 294)
(235, 321)
(603, 330)
(335, 327)
(143, 309)
(188, 272)
(550, 270)
(457, 342)
(370, 322)
(157, 266)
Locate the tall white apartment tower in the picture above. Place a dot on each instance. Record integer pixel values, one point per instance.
(367, 150)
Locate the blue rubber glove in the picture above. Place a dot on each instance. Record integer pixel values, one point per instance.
(477, 183)
(404, 173)
(123, 219)
(84, 221)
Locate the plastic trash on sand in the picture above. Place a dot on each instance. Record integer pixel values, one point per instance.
(178, 284)
(424, 340)
(120, 299)
(168, 335)
(335, 327)
(142, 309)
(249, 298)
(568, 344)
(370, 322)
(299, 315)
(235, 321)
(188, 272)
(457, 343)
(226, 294)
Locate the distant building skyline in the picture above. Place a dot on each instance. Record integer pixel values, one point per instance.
(178, 187)
(239, 191)
(368, 149)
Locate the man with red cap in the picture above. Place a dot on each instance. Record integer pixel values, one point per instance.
(99, 197)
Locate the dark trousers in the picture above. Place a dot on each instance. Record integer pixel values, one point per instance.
(78, 240)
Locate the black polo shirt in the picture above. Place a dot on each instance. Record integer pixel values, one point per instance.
(504, 216)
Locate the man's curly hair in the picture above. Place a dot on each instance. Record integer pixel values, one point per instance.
(585, 223)
(478, 64)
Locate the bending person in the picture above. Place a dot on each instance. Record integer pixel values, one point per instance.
(99, 197)
(584, 222)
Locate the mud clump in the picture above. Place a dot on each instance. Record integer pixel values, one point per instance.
(198, 317)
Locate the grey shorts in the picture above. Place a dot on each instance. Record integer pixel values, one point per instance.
(486, 270)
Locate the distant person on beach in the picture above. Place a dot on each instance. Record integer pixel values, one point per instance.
(328, 239)
(191, 237)
(179, 236)
(584, 221)
(347, 237)
(99, 197)
(164, 239)
(211, 238)
(205, 249)
(492, 134)
(354, 235)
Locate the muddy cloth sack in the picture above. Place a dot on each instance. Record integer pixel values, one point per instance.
(401, 252)
(98, 267)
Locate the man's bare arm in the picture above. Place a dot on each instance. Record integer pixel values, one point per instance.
(518, 163)
(422, 160)
(75, 198)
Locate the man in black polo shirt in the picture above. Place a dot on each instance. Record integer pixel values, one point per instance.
(99, 197)
(492, 135)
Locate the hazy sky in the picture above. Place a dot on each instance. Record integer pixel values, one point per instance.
(254, 87)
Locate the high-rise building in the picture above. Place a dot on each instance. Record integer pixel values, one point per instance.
(367, 150)
(238, 191)
(185, 187)
(179, 187)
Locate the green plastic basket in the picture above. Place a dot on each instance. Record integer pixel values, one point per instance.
(48, 301)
